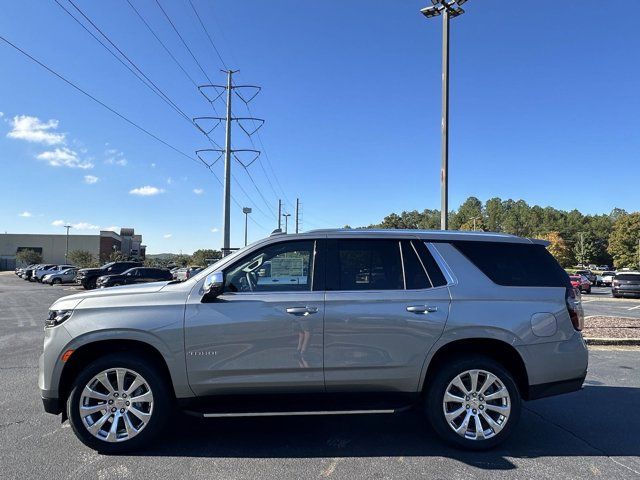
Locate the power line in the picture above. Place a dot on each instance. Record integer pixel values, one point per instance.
(183, 41)
(166, 49)
(100, 102)
(140, 76)
(112, 110)
(208, 36)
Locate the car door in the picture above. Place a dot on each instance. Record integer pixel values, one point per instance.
(264, 332)
(384, 310)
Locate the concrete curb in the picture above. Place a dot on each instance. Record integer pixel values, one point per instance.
(613, 341)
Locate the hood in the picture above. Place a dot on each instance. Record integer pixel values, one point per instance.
(89, 270)
(115, 276)
(113, 291)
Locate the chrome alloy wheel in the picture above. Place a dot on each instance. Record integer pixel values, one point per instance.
(116, 405)
(476, 405)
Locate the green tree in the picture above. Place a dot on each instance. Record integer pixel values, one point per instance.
(82, 259)
(624, 241)
(205, 256)
(28, 257)
(559, 248)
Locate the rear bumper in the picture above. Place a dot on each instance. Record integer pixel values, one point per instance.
(631, 292)
(555, 388)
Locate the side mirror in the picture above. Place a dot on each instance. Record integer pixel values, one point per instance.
(213, 287)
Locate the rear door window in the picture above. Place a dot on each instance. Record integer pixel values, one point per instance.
(414, 273)
(364, 264)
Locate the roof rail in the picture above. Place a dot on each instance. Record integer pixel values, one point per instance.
(277, 231)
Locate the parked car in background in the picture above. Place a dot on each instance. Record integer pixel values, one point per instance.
(604, 267)
(381, 321)
(38, 272)
(589, 274)
(581, 283)
(185, 273)
(134, 275)
(605, 279)
(67, 275)
(626, 284)
(87, 277)
(174, 271)
(41, 272)
(28, 272)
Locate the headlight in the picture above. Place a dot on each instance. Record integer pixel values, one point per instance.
(56, 317)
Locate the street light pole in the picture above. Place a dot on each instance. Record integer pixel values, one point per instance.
(66, 252)
(448, 9)
(286, 222)
(246, 211)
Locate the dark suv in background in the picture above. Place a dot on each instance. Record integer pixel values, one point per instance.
(134, 275)
(87, 277)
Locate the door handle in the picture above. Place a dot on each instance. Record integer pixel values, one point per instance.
(302, 310)
(422, 309)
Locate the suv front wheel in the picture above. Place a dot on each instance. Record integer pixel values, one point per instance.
(118, 403)
(473, 403)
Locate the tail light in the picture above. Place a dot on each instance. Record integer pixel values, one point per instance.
(574, 307)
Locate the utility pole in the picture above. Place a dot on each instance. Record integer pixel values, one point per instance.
(226, 202)
(448, 9)
(297, 215)
(286, 222)
(279, 214)
(246, 211)
(66, 253)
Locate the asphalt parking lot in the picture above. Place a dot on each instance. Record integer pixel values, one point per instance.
(600, 302)
(591, 433)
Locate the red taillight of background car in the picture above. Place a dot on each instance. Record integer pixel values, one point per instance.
(574, 308)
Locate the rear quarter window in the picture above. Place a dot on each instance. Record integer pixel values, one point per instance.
(515, 264)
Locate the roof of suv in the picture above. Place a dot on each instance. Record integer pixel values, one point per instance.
(434, 235)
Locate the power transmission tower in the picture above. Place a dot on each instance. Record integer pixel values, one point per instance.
(207, 124)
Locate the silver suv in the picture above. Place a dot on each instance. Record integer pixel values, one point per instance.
(463, 325)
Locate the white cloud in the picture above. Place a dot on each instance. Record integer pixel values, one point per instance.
(198, 191)
(146, 191)
(169, 181)
(112, 229)
(64, 157)
(76, 226)
(153, 165)
(32, 129)
(167, 235)
(90, 179)
(85, 226)
(26, 214)
(115, 157)
(215, 230)
(1, 114)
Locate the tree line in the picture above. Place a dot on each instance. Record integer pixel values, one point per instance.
(575, 238)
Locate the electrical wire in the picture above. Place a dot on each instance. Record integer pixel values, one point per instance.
(183, 41)
(208, 36)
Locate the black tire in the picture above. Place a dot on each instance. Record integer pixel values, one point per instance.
(56, 281)
(435, 396)
(588, 290)
(162, 402)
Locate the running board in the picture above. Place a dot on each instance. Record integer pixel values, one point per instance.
(287, 414)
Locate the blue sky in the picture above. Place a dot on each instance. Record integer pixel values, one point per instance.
(544, 107)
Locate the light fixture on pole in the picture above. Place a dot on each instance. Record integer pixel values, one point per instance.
(246, 211)
(448, 9)
(286, 222)
(66, 252)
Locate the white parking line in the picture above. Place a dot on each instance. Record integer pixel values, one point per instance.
(634, 308)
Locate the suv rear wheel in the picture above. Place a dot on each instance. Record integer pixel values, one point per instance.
(473, 403)
(118, 403)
